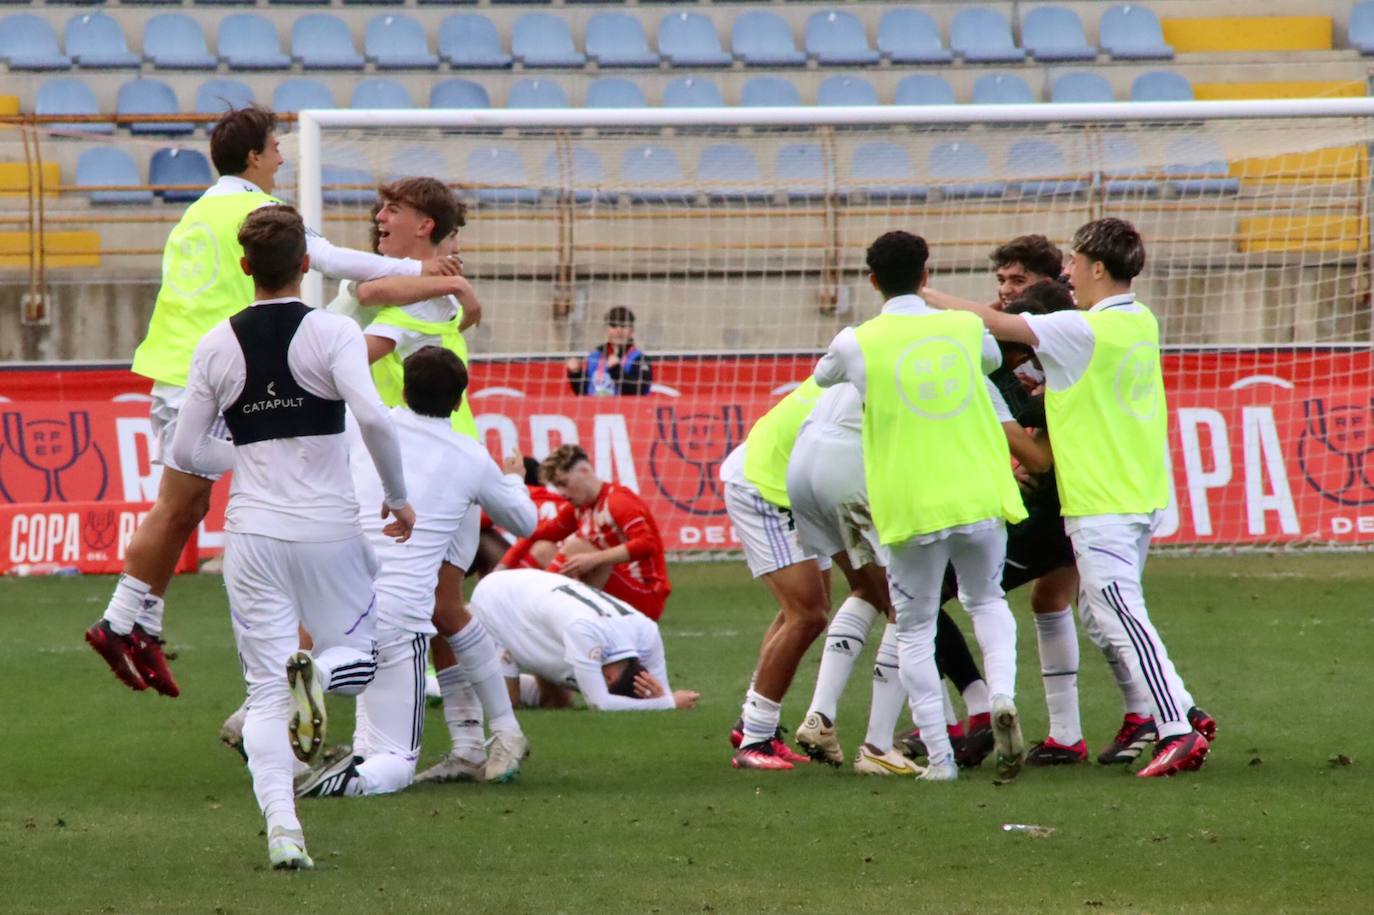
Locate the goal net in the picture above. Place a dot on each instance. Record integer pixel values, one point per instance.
(737, 240)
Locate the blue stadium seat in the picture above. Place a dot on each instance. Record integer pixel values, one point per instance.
(380, 93)
(216, 96)
(1161, 86)
(692, 92)
(71, 97)
(298, 94)
(1081, 86)
(174, 41)
(1123, 168)
(29, 43)
(222, 2)
(910, 36)
(150, 96)
(618, 40)
(803, 171)
(348, 180)
(470, 41)
(500, 166)
(180, 167)
(690, 40)
(1133, 32)
(581, 168)
(1360, 33)
(410, 161)
(837, 37)
(106, 166)
(373, 2)
(459, 93)
(248, 41)
(961, 170)
(544, 40)
(151, 3)
(396, 42)
(1196, 165)
(883, 171)
(1002, 89)
(615, 92)
(536, 93)
(96, 41)
(846, 90)
(924, 89)
(735, 172)
(321, 41)
(292, 2)
(981, 35)
(770, 92)
(1053, 33)
(1043, 170)
(653, 175)
(762, 39)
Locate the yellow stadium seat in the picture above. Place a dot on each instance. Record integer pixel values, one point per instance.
(1248, 33)
(1291, 89)
(1326, 234)
(1335, 163)
(60, 249)
(9, 105)
(16, 177)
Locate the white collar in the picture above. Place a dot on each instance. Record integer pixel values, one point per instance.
(1111, 301)
(238, 183)
(290, 298)
(444, 421)
(905, 304)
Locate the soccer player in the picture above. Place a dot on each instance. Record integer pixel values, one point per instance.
(1105, 405)
(280, 373)
(920, 373)
(201, 285)
(453, 477)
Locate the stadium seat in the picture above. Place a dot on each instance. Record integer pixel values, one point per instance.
(618, 40)
(1161, 86)
(838, 38)
(1053, 33)
(536, 93)
(1123, 168)
(150, 96)
(174, 41)
(692, 92)
(883, 171)
(106, 166)
(321, 41)
(1081, 86)
(396, 42)
(803, 171)
(292, 2)
(1361, 31)
(298, 94)
(380, 93)
(248, 41)
(347, 180)
(544, 40)
(1043, 169)
(653, 175)
(1133, 32)
(1196, 165)
(583, 169)
(501, 166)
(459, 93)
(690, 40)
(762, 39)
(96, 41)
(615, 92)
(29, 43)
(770, 92)
(1002, 89)
(470, 41)
(216, 96)
(418, 160)
(924, 89)
(180, 166)
(962, 169)
(220, 2)
(69, 97)
(734, 172)
(983, 36)
(910, 36)
(846, 90)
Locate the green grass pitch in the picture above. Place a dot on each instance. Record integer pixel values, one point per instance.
(112, 801)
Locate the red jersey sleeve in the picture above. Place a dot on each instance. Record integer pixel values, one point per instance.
(632, 516)
(557, 528)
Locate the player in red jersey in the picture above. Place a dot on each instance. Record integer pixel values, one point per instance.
(495, 542)
(609, 539)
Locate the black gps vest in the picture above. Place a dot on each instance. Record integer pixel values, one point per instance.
(273, 404)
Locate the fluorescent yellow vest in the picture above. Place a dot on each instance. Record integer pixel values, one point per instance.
(770, 441)
(388, 372)
(202, 283)
(1110, 428)
(934, 454)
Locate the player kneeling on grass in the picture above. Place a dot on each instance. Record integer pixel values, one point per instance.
(454, 478)
(280, 374)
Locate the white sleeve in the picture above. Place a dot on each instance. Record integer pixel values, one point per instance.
(507, 499)
(390, 332)
(992, 353)
(193, 447)
(834, 366)
(346, 263)
(353, 380)
(581, 645)
(1064, 343)
(999, 403)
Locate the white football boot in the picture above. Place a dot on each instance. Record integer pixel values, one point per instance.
(871, 761)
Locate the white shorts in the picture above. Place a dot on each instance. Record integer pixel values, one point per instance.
(462, 549)
(391, 711)
(767, 532)
(162, 415)
(830, 498)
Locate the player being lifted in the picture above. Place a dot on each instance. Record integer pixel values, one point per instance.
(280, 374)
(201, 285)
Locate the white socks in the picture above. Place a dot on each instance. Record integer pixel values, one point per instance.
(976, 700)
(480, 664)
(126, 603)
(150, 615)
(270, 760)
(345, 671)
(844, 640)
(761, 716)
(888, 692)
(951, 715)
(462, 715)
(995, 629)
(1058, 641)
(381, 774)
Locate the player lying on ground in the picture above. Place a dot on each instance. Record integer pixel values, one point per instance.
(202, 286)
(280, 373)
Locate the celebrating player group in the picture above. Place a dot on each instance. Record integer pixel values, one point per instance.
(362, 499)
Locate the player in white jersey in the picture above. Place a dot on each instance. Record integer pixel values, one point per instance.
(454, 478)
(571, 635)
(281, 374)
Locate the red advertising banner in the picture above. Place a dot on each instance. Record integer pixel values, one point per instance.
(46, 538)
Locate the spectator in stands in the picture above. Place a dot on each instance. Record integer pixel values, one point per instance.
(619, 367)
